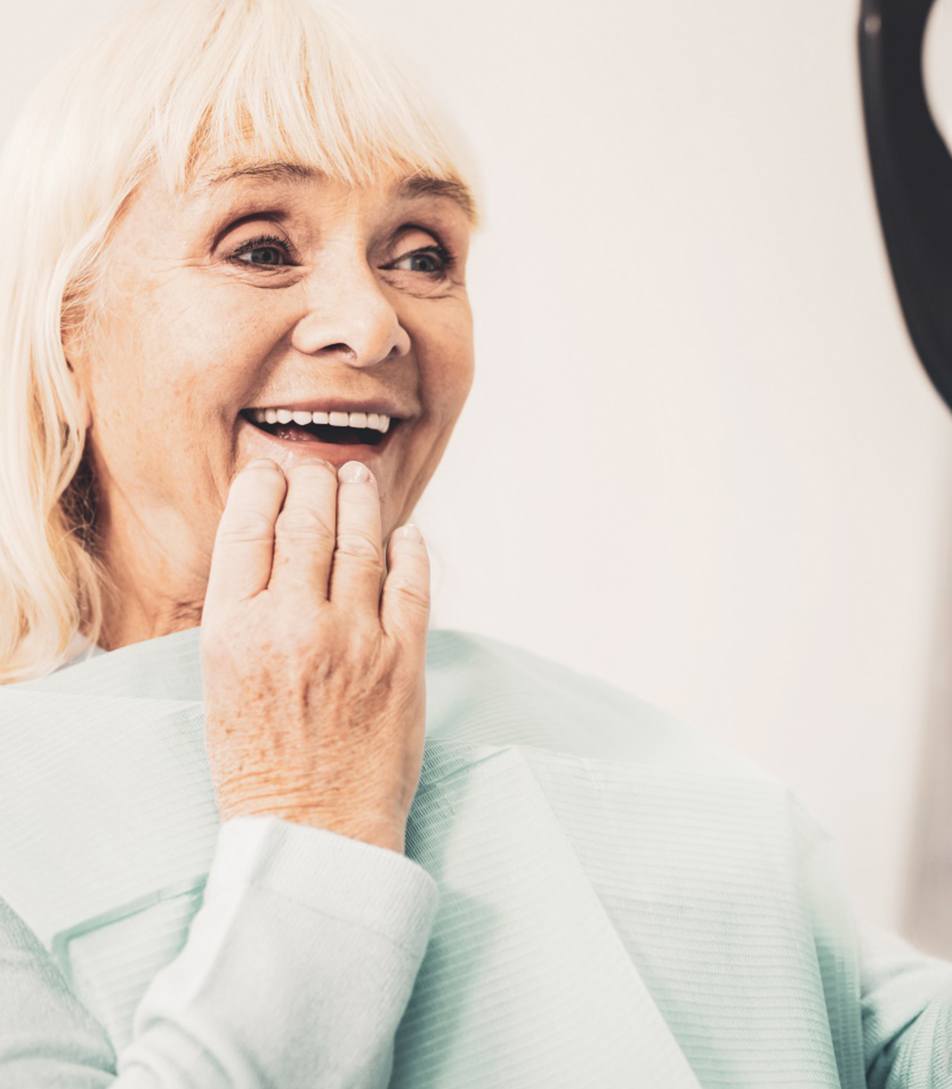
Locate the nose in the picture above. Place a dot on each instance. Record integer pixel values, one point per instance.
(349, 319)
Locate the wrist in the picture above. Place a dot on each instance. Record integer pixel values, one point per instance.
(377, 831)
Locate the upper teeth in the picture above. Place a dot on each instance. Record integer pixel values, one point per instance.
(377, 420)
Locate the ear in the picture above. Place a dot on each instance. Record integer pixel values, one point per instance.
(85, 413)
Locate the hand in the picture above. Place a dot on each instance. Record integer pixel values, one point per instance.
(313, 654)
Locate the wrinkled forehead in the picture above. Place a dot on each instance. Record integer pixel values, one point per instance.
(213, 178)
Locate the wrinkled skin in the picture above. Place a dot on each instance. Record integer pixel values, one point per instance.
(313, 661)
(313, 611)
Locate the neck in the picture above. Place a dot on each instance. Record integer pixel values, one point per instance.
(133, 623)
(156, 589)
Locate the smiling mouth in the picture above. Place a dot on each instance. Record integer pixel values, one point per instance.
(324, 433)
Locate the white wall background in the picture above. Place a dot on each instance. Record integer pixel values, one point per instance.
(700, 458)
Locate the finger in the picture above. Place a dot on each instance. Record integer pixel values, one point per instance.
(244, 541)
(357, 571)
(405, 601)
(304, 533)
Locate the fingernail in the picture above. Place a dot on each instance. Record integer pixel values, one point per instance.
(410, 532)
(352, 472)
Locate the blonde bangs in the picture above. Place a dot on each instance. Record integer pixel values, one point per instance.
(284, 81)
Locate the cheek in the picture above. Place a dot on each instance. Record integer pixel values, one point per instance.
(194, 349)
(445, 354)
(172, 372)
(448, 380)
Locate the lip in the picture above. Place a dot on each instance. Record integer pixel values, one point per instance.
(257, 443)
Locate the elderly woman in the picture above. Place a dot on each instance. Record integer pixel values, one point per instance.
(259, 826)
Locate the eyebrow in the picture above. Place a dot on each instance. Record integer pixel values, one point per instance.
(416, 185)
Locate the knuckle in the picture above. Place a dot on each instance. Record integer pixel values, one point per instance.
(361, 650)
(300, 644)
(359, 546)
(302, 523)
(245, 524)
(316, 469)
(412, 597)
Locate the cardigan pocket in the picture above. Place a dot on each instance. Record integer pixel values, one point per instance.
(110, 959)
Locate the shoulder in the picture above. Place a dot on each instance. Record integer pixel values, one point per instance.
(480, 688)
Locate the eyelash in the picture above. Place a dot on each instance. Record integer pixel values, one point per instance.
(446, 257)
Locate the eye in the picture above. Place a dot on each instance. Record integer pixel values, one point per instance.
(434, 261)
(266, 251)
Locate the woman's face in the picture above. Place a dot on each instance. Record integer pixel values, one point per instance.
(270, 289)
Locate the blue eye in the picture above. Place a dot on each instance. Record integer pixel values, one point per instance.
(436, 260)
(269, 245)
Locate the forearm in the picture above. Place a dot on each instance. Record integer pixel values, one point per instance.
(299, 965)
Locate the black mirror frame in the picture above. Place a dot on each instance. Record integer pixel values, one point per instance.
(912, 176)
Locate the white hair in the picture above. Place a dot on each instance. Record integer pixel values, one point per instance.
(170, 85)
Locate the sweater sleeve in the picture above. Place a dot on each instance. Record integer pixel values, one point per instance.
(297, 970)
(906, 1014)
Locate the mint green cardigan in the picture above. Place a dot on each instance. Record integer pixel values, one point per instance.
(592, 895)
